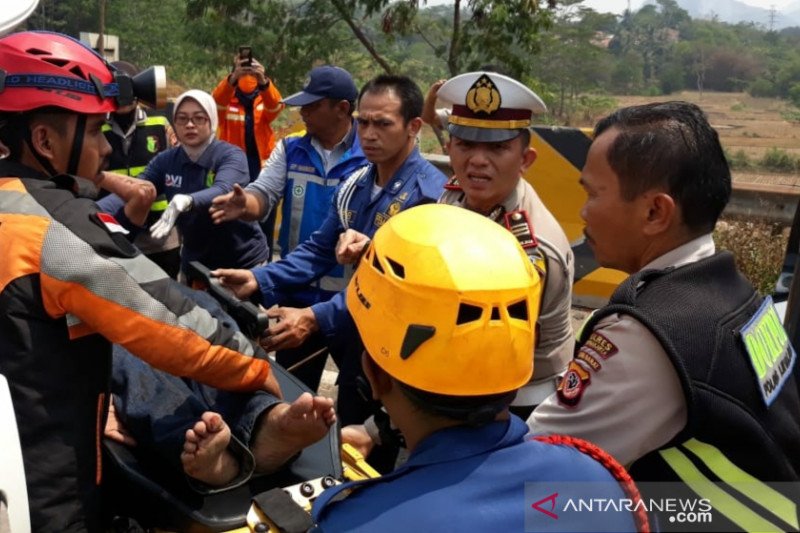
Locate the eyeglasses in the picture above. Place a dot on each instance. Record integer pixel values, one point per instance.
(197, 120)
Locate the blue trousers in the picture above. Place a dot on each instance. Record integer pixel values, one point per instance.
(158, 408)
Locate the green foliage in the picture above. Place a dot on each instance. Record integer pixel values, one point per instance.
(763, 88)
(778, 160)
(794, 94)
(791, 115)
(758, 247)
(739, 160)
(562, 48)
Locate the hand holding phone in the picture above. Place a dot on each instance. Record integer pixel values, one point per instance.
(246, 56)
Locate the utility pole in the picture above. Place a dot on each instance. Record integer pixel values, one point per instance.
(101, 45)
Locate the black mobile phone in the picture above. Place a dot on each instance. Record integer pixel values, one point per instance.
(246, 53)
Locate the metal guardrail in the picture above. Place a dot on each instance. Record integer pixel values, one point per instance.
(771, 203)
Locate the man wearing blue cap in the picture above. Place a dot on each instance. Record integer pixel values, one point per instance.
(304, 172)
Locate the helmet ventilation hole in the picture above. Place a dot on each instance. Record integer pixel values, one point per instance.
(377, 264)
(40, 52)
(519, 310)
(495, 314)
(468, 313)
(78, 72)
(398, 269)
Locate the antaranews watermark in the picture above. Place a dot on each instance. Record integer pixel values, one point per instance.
(712, 507)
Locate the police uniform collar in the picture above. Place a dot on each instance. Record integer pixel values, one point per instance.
(511, 203)
(688, 252)
(138, 120)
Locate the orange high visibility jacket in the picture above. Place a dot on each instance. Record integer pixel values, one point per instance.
(70, 285)
(266, 108)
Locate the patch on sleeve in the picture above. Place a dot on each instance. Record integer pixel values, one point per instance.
(771, 354)
(111, 223)
(587, 358)
(598, 345)
(575, 381)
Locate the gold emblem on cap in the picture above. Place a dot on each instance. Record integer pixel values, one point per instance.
(483, 96)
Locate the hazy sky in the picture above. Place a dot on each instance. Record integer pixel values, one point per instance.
(618, 6)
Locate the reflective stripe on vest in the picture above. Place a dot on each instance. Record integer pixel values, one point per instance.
(149, 121)
(300, 181)
(736, 478)
(160, 203)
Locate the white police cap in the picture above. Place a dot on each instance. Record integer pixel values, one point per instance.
(489, 107)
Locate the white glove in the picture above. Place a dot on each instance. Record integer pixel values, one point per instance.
(180, 203)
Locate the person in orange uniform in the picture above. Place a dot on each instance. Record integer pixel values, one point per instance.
(247, 103)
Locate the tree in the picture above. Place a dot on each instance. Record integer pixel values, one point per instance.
(571, 62)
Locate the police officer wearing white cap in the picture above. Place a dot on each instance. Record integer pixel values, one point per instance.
(489, 152)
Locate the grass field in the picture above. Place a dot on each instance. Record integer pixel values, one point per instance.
(752, 125)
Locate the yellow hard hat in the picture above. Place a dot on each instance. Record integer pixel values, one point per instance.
(446, 301)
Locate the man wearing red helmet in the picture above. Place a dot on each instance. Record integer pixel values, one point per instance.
(71, 283)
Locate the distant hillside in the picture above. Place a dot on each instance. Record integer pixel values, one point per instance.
(730, 11)
(733, 12)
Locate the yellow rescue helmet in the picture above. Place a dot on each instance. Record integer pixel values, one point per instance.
(446, 301)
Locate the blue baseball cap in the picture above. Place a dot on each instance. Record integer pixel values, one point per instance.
(325, 82)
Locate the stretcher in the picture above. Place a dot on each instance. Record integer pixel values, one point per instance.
(144, 493)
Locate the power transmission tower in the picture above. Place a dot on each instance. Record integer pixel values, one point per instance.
(772, 16)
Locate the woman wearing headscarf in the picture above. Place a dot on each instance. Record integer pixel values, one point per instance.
(190, 176)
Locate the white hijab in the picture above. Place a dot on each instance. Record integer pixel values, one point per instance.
(208, 104)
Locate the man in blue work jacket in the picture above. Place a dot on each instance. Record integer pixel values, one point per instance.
(398, 177)
(303, 172)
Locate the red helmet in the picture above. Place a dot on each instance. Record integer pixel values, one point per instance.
(41, 69)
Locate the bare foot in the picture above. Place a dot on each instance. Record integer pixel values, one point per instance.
(205, 455)
(115, 429)
(288, 428)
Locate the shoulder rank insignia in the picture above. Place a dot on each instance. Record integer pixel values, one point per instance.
(518, 223)
(452, 185)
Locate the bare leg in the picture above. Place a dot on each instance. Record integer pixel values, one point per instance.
(205, 455)
(288, 428)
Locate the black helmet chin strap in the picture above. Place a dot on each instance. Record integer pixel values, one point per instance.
(77, 145)
(75, 152)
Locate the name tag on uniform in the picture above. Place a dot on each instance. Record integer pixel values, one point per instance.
(770, 351)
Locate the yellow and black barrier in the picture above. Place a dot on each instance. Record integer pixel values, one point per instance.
(554, 175)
